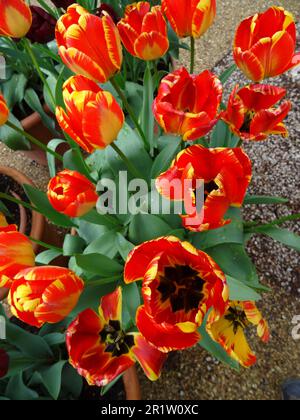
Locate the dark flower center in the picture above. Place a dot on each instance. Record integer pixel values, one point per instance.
(209, 187)
(247, 122)
(238, 318)
(183, 286)
(59, 190)
(116, 340)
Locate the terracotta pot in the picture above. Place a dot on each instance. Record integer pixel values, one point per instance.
(132, 384)
(37, 220)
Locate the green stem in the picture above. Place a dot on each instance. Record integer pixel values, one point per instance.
(36, 65)
(250, 226)
(17, 201)
(45, 245)
(127, 162)
(192, 55)
(129, 109)
(34, 140)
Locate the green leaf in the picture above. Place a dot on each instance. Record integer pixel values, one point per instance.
(147, 117)
(99, 264)
(73, 245)
(105, 244)
(228, 73)
(52, 378)
(52, 81)
(264, 199)
(19, 363)
(41, 202)
(106, 388)
(132, 299)
(239, 291)
(284, 236)
(32, 99)
(124, 246)
(53, 144)
(14, 89)
(219, 135)
(17, 390)
(145, 227)
(215, 348)
(45, 257)
(90, 297)
(72, 383)
(73, 160)
(164, 159)
(100, 219)
(11, 138)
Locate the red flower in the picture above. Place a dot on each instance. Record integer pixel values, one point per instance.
(101, 350)
(143, 31)
(251, 114)
(180, 285)
(71, 193)
(228, 330)
(265, 43)
(190, 17)
(93, 118)
(226, 174)
(16, 253)
(15, 18)
(44, 294)
(187, 105)
(4, 111)
(89, 45)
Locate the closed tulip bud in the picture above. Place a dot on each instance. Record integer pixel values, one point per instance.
(143, 31)
(265, 43)
(89, 45)
(190, 17)
(93, 118)
(16, 253)
(44, 294)
(43, 26)
(4, 111)
(15, 18)
(71, 193)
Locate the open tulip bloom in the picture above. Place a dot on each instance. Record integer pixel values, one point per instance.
(147, 178)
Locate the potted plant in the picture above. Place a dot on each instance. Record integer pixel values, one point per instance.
(151, 196)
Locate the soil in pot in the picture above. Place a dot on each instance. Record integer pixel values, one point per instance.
(9, 186)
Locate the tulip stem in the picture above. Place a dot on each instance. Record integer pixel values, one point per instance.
(36, 65)
(44, 245)
(127, 162)
(8, 197)
(129, 110)
(34, 140)
(192, 55)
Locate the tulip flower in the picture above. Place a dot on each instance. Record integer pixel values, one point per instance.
(15, 18)
(143, 31)
(251, 114)
(44, 294)
(180, 285)
(225, 173)
(265, 43)
(43, 26)
(4, 363)
(101, 350)
(71, 193)
(93, 118)
(187, 105)
(228, 330)
(4, 111)
(89, 45)
(190, 17)
(16, 253)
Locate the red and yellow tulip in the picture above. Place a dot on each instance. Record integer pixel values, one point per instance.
(93, 118)
(44, 294)
(190, 17)
(228, 330)
(187, 105)
(226, 174)
(265, 43)
(180, 285)
(4, 111)
(16, 253)
(251, 114)
(143, 31)
(71, 193)
(89, 45)
(15, 18)
(101, 350)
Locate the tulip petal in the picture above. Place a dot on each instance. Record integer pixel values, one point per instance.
(257, 97)
(111, 306)
(151, 46)
(15, 19)
(249, 64)
(265, 120)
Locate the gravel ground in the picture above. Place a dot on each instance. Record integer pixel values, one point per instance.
(193, 374)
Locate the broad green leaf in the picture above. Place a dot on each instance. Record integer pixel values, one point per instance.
(228, 73)
(239, 291)
(284, 236)
(219, 134)
(45, 257)
(32, 99)
(124, 246)
(52, 378)
(73, 244)
(165, 158)
(11, 138)
(145, 227)
(19, 363)
(71, 385)
(105, 244)
(100, 219)
(99, 264)
(14, 89)
(132, 299)
(264, 199)
(53, 145)
(17, 390)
